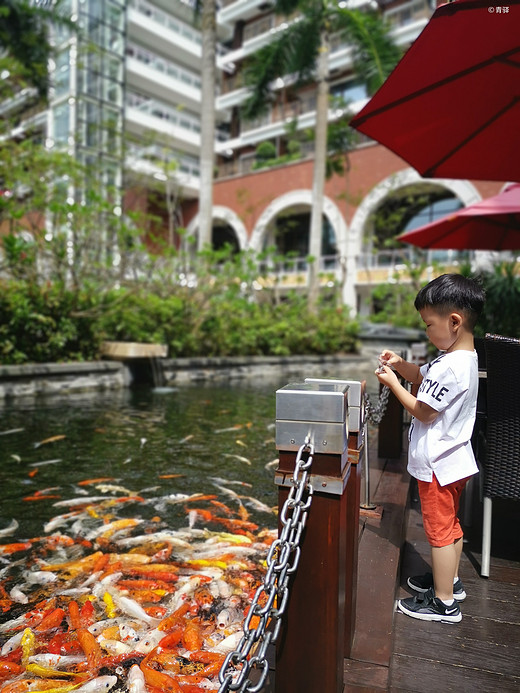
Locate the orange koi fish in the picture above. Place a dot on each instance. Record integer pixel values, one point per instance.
(52, 439)
(8, 549)
(100, 480)
(90, 647)
(158, 679)
(51, 620)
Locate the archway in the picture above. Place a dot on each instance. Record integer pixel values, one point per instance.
(227, 228)
(405, 195)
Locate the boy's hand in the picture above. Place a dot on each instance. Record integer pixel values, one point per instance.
(386, 376)
(389, 358)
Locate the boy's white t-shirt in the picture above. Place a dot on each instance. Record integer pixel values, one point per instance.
(443, 448)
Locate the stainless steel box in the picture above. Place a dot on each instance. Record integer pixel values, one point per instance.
(317, 410)
(356, 400)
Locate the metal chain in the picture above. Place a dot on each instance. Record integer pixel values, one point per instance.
(272, 596)
(374, 412)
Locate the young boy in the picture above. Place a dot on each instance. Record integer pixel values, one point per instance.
(440, 456)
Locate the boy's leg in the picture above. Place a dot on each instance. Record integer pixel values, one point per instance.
(444, 566)
(443, 531)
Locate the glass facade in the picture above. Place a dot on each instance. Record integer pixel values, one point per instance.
(100, 85)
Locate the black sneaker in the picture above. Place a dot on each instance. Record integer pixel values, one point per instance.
(422, 583)
(428, 607)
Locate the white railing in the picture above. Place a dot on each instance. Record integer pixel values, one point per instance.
(158, 109)
(166, 20)
(162, 65)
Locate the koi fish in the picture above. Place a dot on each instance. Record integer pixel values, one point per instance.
(12, 644)
(52, 439)
(11, 431)
(114, 488)
(258, 505)
(8, 549)
(135, 682)
(10, 529)
(132, 608)
(228, 482)
(106, 531)
(99, 480)
(48, 659)
(240, 458)
(100, 683)
(45, 462)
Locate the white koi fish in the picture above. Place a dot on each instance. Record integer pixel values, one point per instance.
(12, 430)
(99, 626)
(147, 642)
(71, 502)
(227, 482)
(258, 505)
(228, 616)
(133, 608)
(10, 529)
(45, 462)
(57, 661)
(114, 647)
(230, 643)
(12, 644)
(113, 488)
(18, 596)
(39, 577)
(154, 537)
(100, 683)
(59, 521)
(240, 458)
(135, 682)
(128, 634)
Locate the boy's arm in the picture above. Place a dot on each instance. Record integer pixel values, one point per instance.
(422, 411)
(409, 371)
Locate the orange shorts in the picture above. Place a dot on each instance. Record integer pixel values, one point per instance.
(439, 506)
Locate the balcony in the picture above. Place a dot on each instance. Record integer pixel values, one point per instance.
(167, 34)
(146, 71)
(234, 10)
(145, 115)
(152, 161)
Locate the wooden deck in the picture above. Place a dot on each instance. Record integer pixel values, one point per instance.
(393, 652)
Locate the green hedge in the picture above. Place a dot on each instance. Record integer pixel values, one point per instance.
(51, 323)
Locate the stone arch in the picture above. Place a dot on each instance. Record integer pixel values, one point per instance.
(230, 217)
(291, 199)
(462, 189)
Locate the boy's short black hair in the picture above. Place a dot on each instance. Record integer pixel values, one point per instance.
(451, 293)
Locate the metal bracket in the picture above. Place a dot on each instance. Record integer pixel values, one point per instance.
(331, 485)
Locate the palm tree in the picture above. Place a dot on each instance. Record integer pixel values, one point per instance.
(303, 50)
(207, 125)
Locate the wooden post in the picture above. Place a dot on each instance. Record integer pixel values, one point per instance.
(318, 625)
(310, 648)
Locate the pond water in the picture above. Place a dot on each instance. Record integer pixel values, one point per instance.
(146, 443)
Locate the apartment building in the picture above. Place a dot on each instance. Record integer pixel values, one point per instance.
(265, 207)
(132, 106)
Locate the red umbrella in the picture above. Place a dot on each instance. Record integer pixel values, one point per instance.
(451, 107)
(492, 224)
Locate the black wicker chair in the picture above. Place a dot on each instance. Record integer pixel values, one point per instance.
(501, 464)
